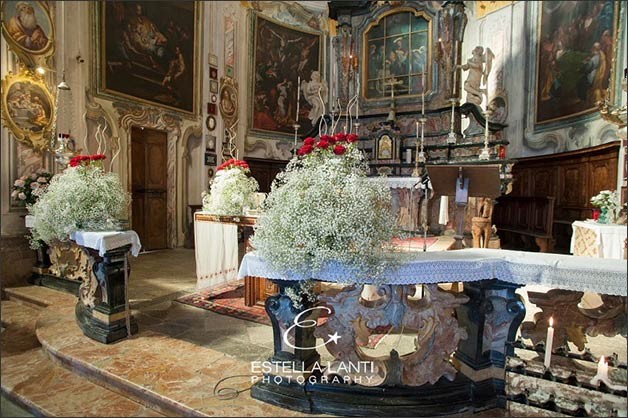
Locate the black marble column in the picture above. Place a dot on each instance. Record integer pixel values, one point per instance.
(101, 309)
(491, 318)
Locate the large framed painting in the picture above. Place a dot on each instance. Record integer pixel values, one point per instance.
(574, 57)
(281, 54)
(148, 52)
(28, 109)
(28, 29)
(397, 52)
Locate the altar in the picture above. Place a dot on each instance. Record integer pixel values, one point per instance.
(465, 340)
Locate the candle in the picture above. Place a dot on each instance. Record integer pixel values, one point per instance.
(417, 130)
(548, 343)
(298, 96)
(408, 156)
(423, 95)
(602, 370)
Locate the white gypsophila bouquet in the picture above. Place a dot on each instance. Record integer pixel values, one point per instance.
(325, 209)
(606, 199)
(83, 197)
(27, 189)
(231, 190)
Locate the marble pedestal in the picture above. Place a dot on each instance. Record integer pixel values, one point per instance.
(101, 309)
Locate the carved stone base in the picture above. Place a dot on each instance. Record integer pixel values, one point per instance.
(57, 283)
(101, 308)
(108, 330)
(443, 398)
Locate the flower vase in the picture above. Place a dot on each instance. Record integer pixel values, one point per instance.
(605, 216)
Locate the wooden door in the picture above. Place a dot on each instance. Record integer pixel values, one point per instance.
(149, 164)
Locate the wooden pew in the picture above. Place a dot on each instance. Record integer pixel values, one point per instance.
(524, 221)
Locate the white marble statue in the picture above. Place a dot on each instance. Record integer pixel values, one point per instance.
(315, 92)
(479, 67)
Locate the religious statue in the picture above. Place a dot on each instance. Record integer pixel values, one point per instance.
(479, 67)
(315, 92)
(481, 224)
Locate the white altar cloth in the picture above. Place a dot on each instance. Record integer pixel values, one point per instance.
(608, 243)
(104, 241)
(605, 276)
(216, 252)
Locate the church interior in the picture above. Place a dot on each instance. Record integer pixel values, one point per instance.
(293, 208)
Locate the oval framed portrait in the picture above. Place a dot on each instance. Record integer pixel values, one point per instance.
(28, 28)
(228, 105)
(28, 109)
(210, 122)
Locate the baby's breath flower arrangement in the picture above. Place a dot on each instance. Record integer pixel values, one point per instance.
(27, 189)
(231, 190)
(608, 202)
(83, 197)
(324, 209)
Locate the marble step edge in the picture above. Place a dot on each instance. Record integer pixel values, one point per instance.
(24, 295)
(118, 384)
(25, 403)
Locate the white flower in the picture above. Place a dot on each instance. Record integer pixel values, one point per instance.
(14, 194)
(34, 176)
(42, 180)
(19, 183)
(34, 185)
(21, 196)
(230, 192)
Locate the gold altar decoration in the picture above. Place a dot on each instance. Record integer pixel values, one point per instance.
(28, 109)
(68, 261)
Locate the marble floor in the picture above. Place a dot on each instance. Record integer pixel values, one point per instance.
(170, 368)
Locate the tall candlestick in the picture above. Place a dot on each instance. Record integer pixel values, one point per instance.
(548, 343)
(298, 97)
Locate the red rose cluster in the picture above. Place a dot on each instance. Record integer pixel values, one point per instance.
(327, 142)
(86, 159)
(233, 163)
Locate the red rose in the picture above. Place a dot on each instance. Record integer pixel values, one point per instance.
(339, 149)
(326, 138)
(74, 162)
(304, 150)
(340, 137)
(308, 141)
(97, 157)
(352, 138)
(322, 144)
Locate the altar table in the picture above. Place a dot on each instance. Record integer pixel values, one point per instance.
(216, 247)
(593, 239)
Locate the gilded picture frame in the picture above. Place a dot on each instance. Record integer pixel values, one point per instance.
(568, 82)
(414, 42)
(28, 109)
(147, 52)
(34, 41)
(279, 55)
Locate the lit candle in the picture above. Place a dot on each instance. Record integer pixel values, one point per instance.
(549, 342)
(602, 371)
(298, 96)
(417, 130)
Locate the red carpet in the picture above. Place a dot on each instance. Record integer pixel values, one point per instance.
(413, 243)
(229, 300)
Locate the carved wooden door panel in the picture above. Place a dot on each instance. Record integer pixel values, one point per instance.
(149, 186)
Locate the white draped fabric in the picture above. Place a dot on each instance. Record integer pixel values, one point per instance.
(216, 250)
(605, 276)
(608, 241)
(104, 241)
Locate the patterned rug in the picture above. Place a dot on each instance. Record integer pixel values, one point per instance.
(413, 243)
(229, 300)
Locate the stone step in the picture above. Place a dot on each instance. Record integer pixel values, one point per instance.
(33, 381)
(38, 296)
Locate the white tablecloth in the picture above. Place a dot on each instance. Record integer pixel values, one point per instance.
(216, 252)
(605, 276)
(608, 241)
(104, 241)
